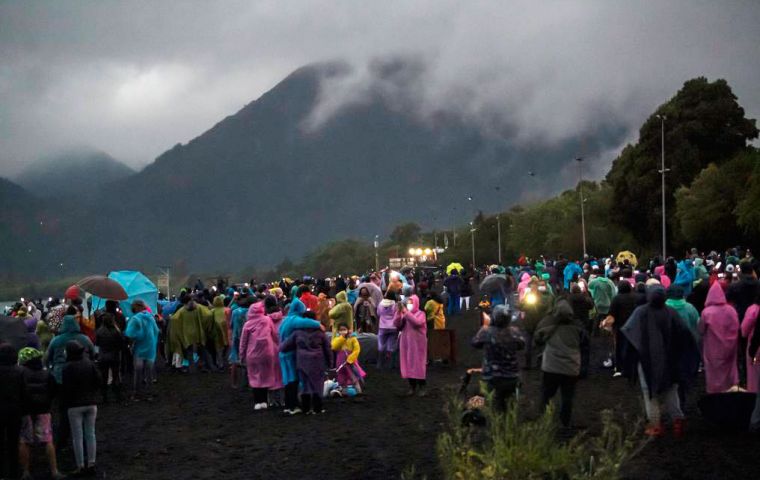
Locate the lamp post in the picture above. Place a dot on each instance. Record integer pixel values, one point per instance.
(472, 239)
(583, 213)
(662, 172)
(377, 258)
(498, 229)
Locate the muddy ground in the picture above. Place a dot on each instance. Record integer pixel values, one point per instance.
(198, 428)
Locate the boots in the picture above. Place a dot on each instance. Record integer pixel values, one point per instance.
(654, 431)
(380, 360)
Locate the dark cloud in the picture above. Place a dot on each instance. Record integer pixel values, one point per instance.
(134, 78)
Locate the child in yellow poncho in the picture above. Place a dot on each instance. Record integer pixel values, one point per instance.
(348, 348)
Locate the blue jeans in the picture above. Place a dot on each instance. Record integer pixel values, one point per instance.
(82, 420)
(453, 307)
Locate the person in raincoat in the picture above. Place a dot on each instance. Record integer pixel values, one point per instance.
(719, 327)
(685, 310)
(387, 335)
(685, 276)
(142, 331)
(602, 291)
(313, 356)
(342, 313)
(665, 354)
(219, 336)
(238, 319)
(500, 342)
(749, 324)
(434, 312)
(365, 312)
(350, 373)
(190, 330)
(412, 325)
(258, 351)
(324, 304)
(294, 320)
(453, 285)
(561, 335)
(69, 330)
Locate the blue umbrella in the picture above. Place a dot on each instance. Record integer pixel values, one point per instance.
(137, 286)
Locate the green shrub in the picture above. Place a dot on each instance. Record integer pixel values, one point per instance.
(512, 448)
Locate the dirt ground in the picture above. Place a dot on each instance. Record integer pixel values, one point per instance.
(198, 428)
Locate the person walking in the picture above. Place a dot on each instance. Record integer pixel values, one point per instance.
(749, 325)
(719, 328)
(142, 331)
(561, 334)
(665, 354)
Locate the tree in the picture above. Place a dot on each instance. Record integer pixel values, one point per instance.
(406, 234)
(707, 210)
(748, 209)
(705, 124)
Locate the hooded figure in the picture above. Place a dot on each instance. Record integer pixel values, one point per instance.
(32, 340)
(293, 321)
(219, 328)
(312, 352)
(749, 324)
(342, 313)
(685, 276)
(665, 353)
(69, 331)
(189, 324)
(412, 325)
(602, 290)
(259, 349)
(685, 310)
(719, 327)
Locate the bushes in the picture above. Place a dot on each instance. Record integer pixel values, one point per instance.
(514, 448)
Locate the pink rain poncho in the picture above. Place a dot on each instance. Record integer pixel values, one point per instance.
(522, 287)
(719, 327)
(413, 341)
(259, 350)
(748, 328)
(664, 279)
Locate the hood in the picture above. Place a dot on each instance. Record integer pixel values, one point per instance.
(563, 312)
(525, 277)
(501, 316)
(8, 355)
(256, 311)
(219, 301)
(341, 297)
(387, 302)
(715, 296)
(297, 307)
(69, 325)
(415, 302)
(656, 296)
(74, 351)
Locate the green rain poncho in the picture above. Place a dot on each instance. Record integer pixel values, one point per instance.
(602, 290)
(189, 326)
(342, 313)
(219, 327)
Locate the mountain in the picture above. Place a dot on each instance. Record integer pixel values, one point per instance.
(260, 185)
(76, 172)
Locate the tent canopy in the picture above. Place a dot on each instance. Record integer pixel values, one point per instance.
(137, 286)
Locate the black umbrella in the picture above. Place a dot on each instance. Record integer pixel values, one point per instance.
(13, 331)
(494, 283)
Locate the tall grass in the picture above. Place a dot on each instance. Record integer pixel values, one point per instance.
(509, 447)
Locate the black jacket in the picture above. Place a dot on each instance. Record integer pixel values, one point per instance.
(80, 379)
(742, 294)
(11, 383)
(39, 390)
(110, 344)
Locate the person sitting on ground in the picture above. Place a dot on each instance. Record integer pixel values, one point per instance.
(500, 342)
(36, 424)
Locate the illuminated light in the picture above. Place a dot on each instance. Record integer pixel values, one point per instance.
(411, 251)
(428, 251)
(419, 251)
(531, 298)
(22, 299)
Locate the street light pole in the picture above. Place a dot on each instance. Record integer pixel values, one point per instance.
(377, 258)
(472, 238)
(583, 213)
(498, 228)
(662, 172)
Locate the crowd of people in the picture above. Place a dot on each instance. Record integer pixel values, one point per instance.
(295, 342)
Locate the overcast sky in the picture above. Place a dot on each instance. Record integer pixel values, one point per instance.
(135, 78)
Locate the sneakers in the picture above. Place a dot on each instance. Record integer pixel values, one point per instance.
(260, 406)
(654, 431)
(607, 363)
(617, 374)
(295, 411)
